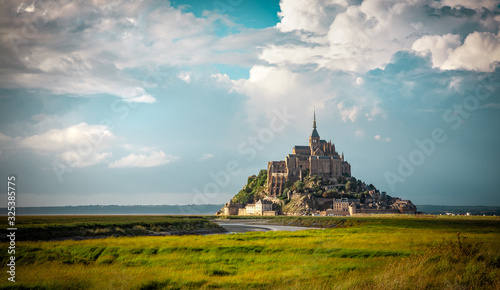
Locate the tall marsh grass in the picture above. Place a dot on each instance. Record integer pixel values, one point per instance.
(36, 228)
(376, 254)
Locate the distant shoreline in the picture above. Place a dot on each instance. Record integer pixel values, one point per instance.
(192, 209)
(208, 209)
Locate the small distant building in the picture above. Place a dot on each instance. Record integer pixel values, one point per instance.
(250, 209)
(353, 209)
(261, 207)
(342, 204)
(231, 209)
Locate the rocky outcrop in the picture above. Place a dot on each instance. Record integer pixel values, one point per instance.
(300, 204)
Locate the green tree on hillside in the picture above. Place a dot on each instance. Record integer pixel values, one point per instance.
(330, 194)
(348, 186)
(299, 185)
(253, 188)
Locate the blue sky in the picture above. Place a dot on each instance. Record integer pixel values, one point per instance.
(158, 102)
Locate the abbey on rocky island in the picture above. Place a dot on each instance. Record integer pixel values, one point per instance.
(319, 158)
(313, 180)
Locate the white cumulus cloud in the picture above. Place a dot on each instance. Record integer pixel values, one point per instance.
(480, 51)
(77, 159)
(360, 133)
(4, 138)
(378, 138)
(150, 159)
(138, 95)
(326, 41)
(148, 99)
(473, 4)
(340, 35)
(83, 137)
(348, 113)
(205, 156)
(440, 46)
(309, 15)
(87, 50)
(78, 146)
(185, 76)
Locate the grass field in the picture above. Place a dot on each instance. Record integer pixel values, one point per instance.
(355, 253)
(35, 228)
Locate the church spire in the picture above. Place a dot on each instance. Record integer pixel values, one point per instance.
(314, 122)
(314, 139)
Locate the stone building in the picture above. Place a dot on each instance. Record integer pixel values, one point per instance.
(231, 209)
(342, 204)
(261, 207)
(319, 158)
(250, 209)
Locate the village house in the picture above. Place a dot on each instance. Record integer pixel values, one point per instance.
(261, 207)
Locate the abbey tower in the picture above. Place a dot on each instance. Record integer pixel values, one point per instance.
(319, 158)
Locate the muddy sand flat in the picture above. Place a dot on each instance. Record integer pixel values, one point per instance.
(243, 226)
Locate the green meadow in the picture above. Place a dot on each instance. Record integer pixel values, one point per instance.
(63, 227)
(385, 252)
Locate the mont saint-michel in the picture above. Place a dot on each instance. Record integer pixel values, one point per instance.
(313, 180)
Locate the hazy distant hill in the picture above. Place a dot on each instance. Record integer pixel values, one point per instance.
(473, 210)
(194, 209)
